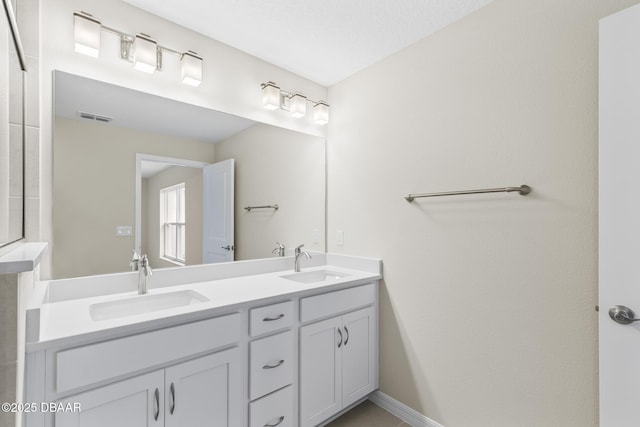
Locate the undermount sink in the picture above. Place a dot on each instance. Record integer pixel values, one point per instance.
(316, 276)
(146, 303)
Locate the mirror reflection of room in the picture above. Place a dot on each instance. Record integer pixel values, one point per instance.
(140, 141)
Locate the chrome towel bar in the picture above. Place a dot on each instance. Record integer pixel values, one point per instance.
(523, 190)
(274, 207)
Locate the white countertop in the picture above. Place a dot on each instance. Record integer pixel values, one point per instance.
(67, 322)
(24, 258)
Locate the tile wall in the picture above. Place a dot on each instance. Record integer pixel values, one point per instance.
(28, 17)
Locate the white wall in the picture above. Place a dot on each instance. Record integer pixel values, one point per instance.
(487, 309)
(231, 81)
(276, 166)
(94, 192)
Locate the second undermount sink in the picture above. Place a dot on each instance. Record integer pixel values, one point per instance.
(315, 276)
(146, 303)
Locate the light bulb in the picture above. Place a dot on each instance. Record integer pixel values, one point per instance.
(145, 54)
(270, 96)
(86, 34)
(321, 113)
(191, 72)
(298, 105)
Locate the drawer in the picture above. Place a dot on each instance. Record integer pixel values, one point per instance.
(270, 318)
(270, 364)
(93, 363)
(333, 303)
(273, 410)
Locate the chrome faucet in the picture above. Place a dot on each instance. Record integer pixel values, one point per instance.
(135, 260)
(141, 265)
(299, 253)
(278, 249)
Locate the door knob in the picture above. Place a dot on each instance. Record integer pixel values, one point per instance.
(623, 315)
(229, 247)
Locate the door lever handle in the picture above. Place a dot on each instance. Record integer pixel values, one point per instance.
(622, 315)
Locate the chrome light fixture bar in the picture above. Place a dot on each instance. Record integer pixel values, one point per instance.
(273, 98)
(142, 50)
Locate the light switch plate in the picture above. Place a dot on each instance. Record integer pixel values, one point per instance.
(340, 238)
(124, 230)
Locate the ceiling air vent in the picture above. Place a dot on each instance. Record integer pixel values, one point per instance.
(97, 118)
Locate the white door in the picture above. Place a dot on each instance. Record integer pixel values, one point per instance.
(136, 402)
(320, 371)
(205, 392)
(217, 219)
(358, 355)
(619, 216)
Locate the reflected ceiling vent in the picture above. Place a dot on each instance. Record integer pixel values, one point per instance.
(97, 118)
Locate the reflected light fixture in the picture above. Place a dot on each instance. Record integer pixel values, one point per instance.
(143, 51)
(145, 54)
(191, 68)
(274, 98)
(86, 34)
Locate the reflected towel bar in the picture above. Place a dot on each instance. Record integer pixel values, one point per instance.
(523, 190)
(274, 207)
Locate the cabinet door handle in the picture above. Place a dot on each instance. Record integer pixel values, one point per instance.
(346, 340)
(271, 319)
(340, 342)
(273, 366)
(156, 404)
(172, 389)
(280, 420)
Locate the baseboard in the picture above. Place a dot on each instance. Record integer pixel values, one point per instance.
(402, 411)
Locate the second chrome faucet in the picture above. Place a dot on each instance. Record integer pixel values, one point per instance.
(299, 253)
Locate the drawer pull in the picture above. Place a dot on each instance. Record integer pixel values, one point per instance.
(272, 319)
(172, 389)
(280, 420)
(340, 342)
(156, 402)
(346, 331)
(279, 363)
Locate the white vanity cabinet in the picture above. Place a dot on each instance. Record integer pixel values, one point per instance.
(338, 356)
(271, 366)
(265, 352)
(203, 392)
(172, 377)
(128, 403)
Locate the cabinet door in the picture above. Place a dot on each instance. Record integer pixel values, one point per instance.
(136, 402)
(359, 373)
(320, 370)
(205, 391)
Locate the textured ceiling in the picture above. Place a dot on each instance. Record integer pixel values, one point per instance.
(322, 40)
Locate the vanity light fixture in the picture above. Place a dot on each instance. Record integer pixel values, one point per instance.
(191, 68)
(145, 54)
(86, 34)
(270, 96)
(321, 113)
(298, 105)
(143, 51)
(274, 98)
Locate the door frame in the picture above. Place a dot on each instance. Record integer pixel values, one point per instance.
(140, 157)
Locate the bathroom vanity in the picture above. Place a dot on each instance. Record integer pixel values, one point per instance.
(237, 344)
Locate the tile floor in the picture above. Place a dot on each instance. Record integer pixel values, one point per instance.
(367, 414)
